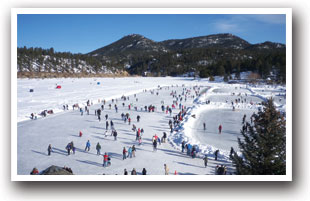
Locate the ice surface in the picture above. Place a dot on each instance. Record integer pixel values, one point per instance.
(33, 136)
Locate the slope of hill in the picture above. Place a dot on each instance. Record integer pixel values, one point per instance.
(218, 54)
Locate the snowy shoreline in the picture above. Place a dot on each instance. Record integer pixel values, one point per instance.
(185, 131)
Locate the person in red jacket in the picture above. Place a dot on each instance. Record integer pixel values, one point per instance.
(129, 120)
(34, 171)
(124, 153)
(105, 159)
(220, 129)
(80, 134)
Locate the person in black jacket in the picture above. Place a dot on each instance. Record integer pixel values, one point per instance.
(216, 153)
(144, 171)
(49, 149)
(133, 172)
(183, 146)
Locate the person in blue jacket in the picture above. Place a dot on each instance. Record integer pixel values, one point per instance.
(129, 152)
(87, 146)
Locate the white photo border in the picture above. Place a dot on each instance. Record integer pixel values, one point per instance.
(286, 11)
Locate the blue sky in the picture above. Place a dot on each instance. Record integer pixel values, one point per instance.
(85, 33)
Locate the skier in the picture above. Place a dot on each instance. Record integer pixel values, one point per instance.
(166, 169)
(216, 153)
(220, 129)
(80, 134)
(124, 153)
(129, 120)
(205, 159)
(87, 147)
(144, 171)
(140, 140)
(106, 117)
(98, 148)
(204, 126)
(125, 172)
(49, 149)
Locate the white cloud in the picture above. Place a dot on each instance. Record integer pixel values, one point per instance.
(226, 27)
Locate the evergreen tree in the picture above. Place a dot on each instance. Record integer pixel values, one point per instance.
(225, 78)
(220, 70)
(263, 145)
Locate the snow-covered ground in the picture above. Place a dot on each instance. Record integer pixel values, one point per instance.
(33, 136)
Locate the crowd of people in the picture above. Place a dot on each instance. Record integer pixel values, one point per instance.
(176, 107)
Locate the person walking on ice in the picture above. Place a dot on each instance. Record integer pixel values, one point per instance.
(204, 126)
(129, 152)
(205, 159)
(138, 118)
(98, 148)
(106, 125)
(87, 147)
(133, 151)
(49, 149)
(105, 159)
(220, 129)
(215, 154)
(124, 153)
(166, 169)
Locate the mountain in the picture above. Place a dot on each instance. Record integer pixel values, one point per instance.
(266, 46)
(129, 44)
(217, 54)
(217, 40)
(136, 43)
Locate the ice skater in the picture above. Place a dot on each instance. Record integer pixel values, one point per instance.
(87, 147)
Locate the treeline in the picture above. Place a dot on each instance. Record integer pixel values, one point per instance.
(203, 62)
(212, 62)
(38, 60)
